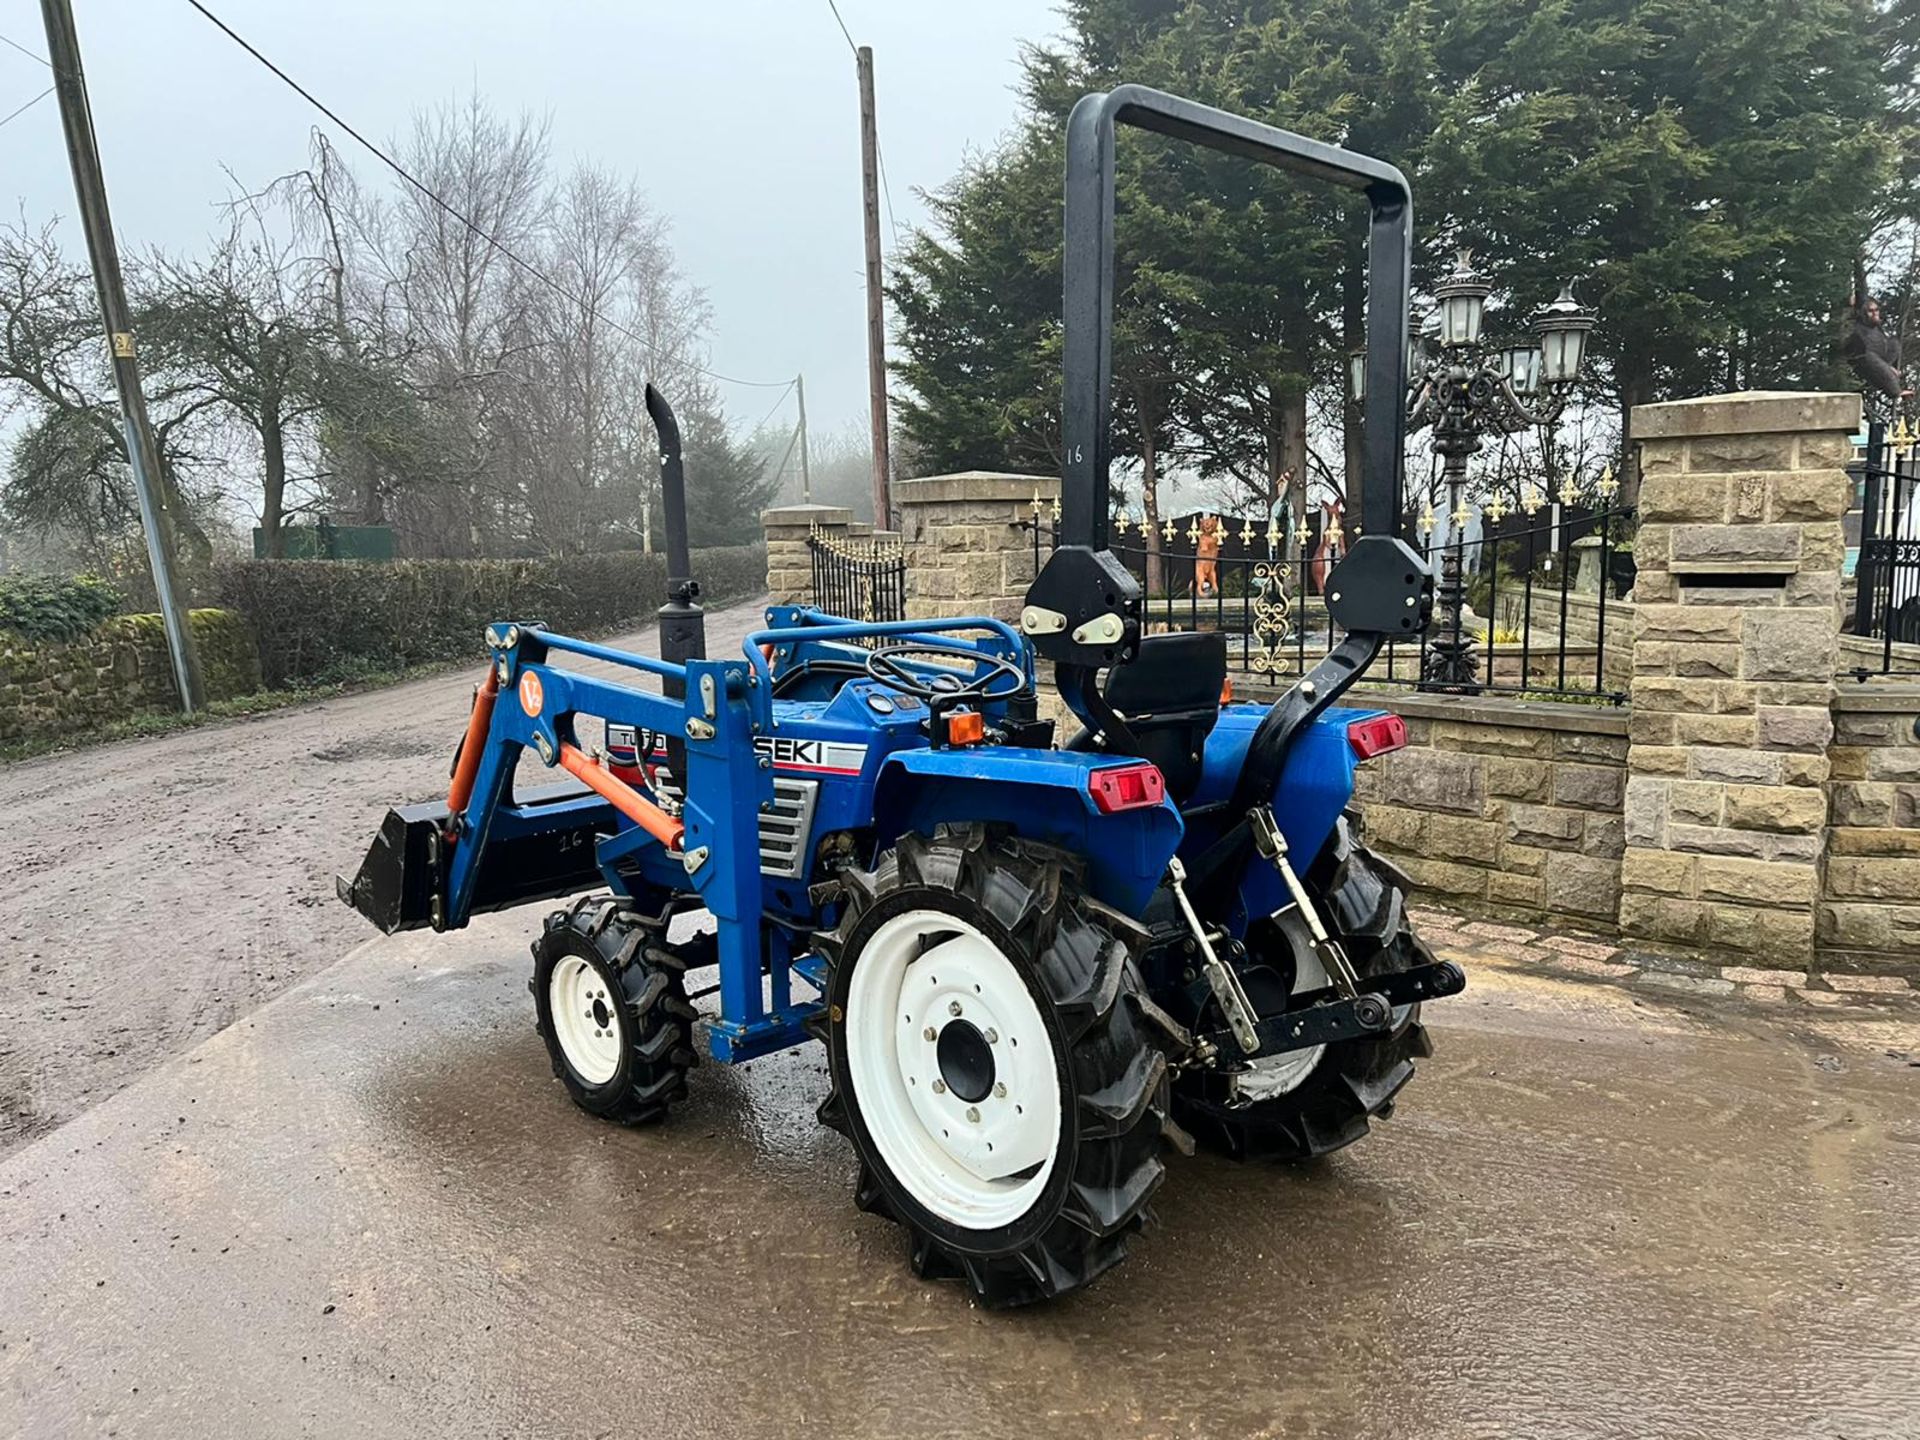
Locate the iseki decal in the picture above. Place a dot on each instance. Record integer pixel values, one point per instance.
(824, 757)
(812, 757)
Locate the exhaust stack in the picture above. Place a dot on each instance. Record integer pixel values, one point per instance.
(683, 624)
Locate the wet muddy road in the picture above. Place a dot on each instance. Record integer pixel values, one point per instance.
(368, 1209)
(157, 890)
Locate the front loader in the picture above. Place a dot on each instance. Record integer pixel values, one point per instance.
(1034, 966)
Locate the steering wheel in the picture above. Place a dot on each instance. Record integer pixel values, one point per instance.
(886, 664)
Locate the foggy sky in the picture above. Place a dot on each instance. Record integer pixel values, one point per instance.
(740, 118)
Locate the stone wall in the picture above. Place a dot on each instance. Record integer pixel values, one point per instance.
(121, 668)
(1869, 898)
(789, 562)
(966, 552)
(1504, 805)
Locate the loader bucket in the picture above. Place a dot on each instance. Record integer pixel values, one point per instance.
(539, 848)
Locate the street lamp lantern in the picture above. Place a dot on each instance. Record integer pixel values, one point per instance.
(1357, 375)
(1417, 347)
(1563, 328)
(1469, 387)
(1521, 365)
(1463, 303)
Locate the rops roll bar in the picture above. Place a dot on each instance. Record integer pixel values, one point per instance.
(1088, 299)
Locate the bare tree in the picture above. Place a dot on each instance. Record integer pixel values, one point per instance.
(465, 304)
(68, 471)
(465, 360)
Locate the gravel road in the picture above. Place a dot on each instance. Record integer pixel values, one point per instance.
(159, 889)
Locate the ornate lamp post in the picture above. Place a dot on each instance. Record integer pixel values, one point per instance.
(1470, 387)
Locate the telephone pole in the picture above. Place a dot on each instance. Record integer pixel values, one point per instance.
(806, 475)
(876, 300)
(89, 186)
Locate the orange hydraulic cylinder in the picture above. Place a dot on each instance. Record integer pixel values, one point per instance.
(479, 721)
(624, 798)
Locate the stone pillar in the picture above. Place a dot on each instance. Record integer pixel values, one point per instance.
(966, 552)
(1736, 633)
(789, 564)
(1870, 903)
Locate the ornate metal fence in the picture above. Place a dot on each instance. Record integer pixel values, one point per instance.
(861, 579)
(1541, 590)
(1887, 574)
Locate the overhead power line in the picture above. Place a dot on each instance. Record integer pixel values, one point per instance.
(778, 401)
(31, 55)
(26, 107)
(886, 190)
(467, 221)
(843, 27)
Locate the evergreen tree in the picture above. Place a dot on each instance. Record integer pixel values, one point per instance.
(1708, 169)
(727, 483)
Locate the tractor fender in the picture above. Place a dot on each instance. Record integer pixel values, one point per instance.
(1042, 795)
(1316, 785)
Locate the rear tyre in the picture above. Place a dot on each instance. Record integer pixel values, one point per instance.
(1002, 1093)
(612, 1007)
(1308, 1103)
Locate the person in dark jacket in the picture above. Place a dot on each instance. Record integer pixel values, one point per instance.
(1874, 354)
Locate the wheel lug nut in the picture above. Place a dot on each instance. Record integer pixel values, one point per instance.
(953, 1007)
(993, 1036)
(929, 1033)
(973, 1114)
(1000, 1091)
(939, 1087)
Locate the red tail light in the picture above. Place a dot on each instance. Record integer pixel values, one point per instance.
(1126, 787)
(1376, 735)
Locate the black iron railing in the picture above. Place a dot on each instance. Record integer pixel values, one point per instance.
(861, 579)
(1887, 573)
(1542, 595)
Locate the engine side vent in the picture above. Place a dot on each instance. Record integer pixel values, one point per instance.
(784, 830)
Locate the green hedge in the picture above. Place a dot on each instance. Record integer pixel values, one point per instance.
(55, 607)
(319, 620)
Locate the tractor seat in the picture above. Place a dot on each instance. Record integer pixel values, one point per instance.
(1169, 695)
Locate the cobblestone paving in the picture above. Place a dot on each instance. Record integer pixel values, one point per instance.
(1597, 958)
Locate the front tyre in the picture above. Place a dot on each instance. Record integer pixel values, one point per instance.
(613, 1011)
(1004, 1098)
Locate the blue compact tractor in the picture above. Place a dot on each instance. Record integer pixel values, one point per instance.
(1035, 966)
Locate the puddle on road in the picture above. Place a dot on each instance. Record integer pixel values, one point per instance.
(1565, 1230)
(1703, 1234)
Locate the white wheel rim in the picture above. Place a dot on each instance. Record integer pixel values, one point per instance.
(586, 1019)
(978, 1161)
(1281, 1074)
